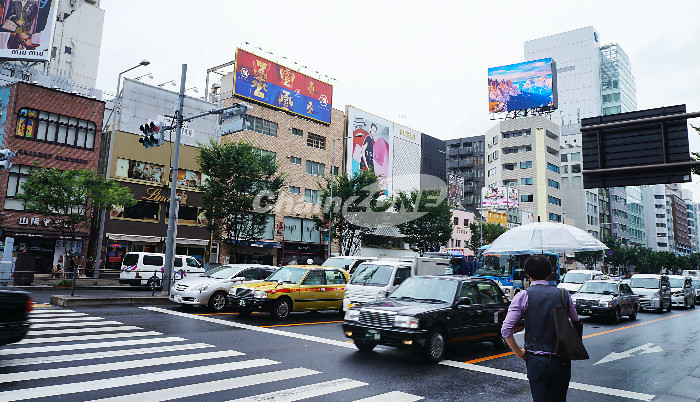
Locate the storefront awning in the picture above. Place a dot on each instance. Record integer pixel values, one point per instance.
(191, 242)
(136, 238)
(267, 244)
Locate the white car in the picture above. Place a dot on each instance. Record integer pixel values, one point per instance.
(211, 288)
(573, 279)
(682, 291)
(696, 285)
(141, 268)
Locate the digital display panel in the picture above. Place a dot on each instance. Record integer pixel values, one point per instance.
(532, 84)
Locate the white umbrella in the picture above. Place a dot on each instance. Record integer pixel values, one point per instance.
(544, 236)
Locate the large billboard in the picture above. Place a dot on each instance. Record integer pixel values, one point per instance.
(264, 81)
(456, 189)
(26, 29)
(527, 85)
(499, 197)
(370, 145)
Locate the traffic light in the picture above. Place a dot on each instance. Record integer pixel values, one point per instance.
(153, 134)
(235, 119)
(5, 159)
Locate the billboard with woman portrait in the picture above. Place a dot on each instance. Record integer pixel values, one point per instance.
(371, 145)
(26, 29)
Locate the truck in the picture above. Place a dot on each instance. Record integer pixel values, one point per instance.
(462, 264)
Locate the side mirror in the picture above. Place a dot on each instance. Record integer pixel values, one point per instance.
(463, 301)
(238, 279)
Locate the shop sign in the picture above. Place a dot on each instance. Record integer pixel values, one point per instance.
(45, 222)
(52, 156)
(155, 195)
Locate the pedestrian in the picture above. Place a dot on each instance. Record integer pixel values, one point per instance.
(548, 373)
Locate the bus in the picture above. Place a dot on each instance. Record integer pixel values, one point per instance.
(508, 270)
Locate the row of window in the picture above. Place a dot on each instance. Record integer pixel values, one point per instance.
(554, 217)
(553, 183)
(54, 128)
(527, 197)
(554, 168)
(526, 181)
(150, 212)
(137, 170)
(474, 146)
(455, 220)
(516, 134)
(554, 200)
(572, 157)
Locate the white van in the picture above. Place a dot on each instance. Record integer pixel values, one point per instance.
(375, 280)
(573, 279)
(693, 273)
(139, 269)
(346, 262)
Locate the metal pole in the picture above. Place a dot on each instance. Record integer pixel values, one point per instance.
(174, 202)
(330, 204)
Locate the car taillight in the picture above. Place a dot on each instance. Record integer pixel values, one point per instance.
(30, 306)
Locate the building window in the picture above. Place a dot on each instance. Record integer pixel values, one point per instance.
(18, 175)
(189, 178)
(491, 172)
(526, 197)
(311, 196)
(298, 132)
(526, 165)
(553, 183)
(141, 211)
(294, 190)
(554, 168)
(659, 196)
(186, 215)
(660, 216)
(576, 157)
(54, 128)
(315, 168)
(564, 157)
(466, 222)
(554, 217)
(316, 141)
(455, 221)
(263, 126)
(509, 183)
(458, 243)
(335, 170)
(507, 151)
(139, 170)
(509, 166)
(553, 200)
(526, 181)
(576, 168)
(528, 148)
(68, 50)
(294, 160)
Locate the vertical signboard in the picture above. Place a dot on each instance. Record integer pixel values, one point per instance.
(4, 109)
(26, 29)
(370, 145)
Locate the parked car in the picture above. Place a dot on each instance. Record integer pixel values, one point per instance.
(607, 298)
(682, 291)
(654, 291)
(15, 306)
(212, 287)
(427, 312)
(347, 262)
(696, 286)
(573, 279)
(292, 288)
(375, 280)
(140, 268)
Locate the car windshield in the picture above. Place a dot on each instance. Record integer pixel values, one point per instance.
(676, 282)
(426, 289)
(287, 275)
(495, 265)
(338, 262)
(222, 272)
(576, 277)
(646, 283)
(372, 274)
(696, 284)
(598, 287)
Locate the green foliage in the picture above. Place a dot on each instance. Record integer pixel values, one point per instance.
(242, 187)
(66, 283)
(491, 233)
(646, 261)
(433, 229)
(588, 258)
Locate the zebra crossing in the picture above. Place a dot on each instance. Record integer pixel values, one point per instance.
(75, 356)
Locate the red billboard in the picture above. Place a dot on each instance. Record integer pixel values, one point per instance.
(281, 87)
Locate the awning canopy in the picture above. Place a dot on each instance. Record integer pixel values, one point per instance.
(267, 244)
(136, 238)
(191, 242)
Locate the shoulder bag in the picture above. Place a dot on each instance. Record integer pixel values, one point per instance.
(569, 338)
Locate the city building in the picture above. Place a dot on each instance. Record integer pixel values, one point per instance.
(53, 129)
(433, 169)
(465, 159)
(580, 205)
(656, 219)
(461, 234)
(679, 213)
(525, 153)
(692, 220)
(635, 210)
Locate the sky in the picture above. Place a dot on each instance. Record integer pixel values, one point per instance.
(422, 64)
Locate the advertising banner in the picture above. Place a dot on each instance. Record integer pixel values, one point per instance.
(26, 29)
(281, 87)
(4, 101)
(525, 85)
(456, 188)
(371, 145)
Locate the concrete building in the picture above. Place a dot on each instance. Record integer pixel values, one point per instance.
(656, 219)
(465, 158)
(635, 210)
(692, 220)
(433, 169)
(678, 211)
(461, 234)
(524, 153)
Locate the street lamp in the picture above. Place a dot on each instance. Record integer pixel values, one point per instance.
(330, 212)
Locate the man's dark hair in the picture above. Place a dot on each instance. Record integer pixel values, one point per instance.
(538, 267)
(374, 125)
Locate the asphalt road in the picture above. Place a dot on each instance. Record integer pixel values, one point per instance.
(170, 352)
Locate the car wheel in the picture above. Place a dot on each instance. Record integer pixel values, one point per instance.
(364, 346)
(435, 345)
(154, 283)
(245, 312)
(633, 316)
(661, 307)
(617, 318)
(281, 309)
(500, 343)
(217, 301)
(669, 306)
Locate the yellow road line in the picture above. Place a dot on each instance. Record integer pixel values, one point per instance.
(301, 323)
(41, 305)
(483, 359)
(214, 313)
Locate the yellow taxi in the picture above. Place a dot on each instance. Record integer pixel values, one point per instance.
(292, 288)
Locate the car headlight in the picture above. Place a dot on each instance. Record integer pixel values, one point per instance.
(605, 303)
(352, 315)
(405, 321)
(200, 288)
(260, 294)
(382, 295)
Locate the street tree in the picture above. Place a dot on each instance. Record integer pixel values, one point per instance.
(491, 233)
(432, 229)
(242, 185)
(588, 258)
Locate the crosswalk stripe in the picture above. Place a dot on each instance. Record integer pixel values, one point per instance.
(74, 324)
(116, 382)
(124, 365)
(306, 391)
(101, 355)
(46, 311)
(57, 315)
(64, 319)
(54, 339)
(80, 330)
(393, 396)
(95, 345)
(212, 386)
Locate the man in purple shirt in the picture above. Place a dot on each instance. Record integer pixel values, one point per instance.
(547, 373)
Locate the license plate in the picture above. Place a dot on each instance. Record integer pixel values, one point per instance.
(372, 334)
(241, 303)
(178, 298)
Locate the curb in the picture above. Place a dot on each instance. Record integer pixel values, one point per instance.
(685, 390)
(77, 301)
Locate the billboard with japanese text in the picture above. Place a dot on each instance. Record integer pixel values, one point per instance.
(265, 81)
(527, 85)
(26, 29)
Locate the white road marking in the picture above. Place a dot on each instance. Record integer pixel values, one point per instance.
(75, 338)
(64, 319)
(393, 396)
(46, 310)
(124, 365)
(102, 355)
(303, 392)
(79, 330)
(75, 324)
(51, 391)
(80, 346)
(572, 385)
(212, 386)
(643, 349)
(57, 315)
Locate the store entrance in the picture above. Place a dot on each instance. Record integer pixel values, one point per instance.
(43, 249)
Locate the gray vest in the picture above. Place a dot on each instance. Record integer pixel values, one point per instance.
(540, 332)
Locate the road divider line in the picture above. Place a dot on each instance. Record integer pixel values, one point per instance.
(102, 355)
(63, 319)
(79, 330)
(393, 396)
(123, 365)
(572, 385)
(252, 327)
(80, 338)
(51, 391)
(304, 392)
(80, 346)
(75, 324)
(300, 323)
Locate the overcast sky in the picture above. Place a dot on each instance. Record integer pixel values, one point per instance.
(419, 63)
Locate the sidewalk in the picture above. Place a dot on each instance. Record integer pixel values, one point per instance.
(108, 296)
(685, 390)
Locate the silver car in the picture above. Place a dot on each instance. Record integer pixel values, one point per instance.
(682, 291)
(211, 288)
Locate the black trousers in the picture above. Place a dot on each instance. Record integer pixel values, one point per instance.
(549, 377)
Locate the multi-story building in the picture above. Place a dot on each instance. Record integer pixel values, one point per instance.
(432, 167)
(53, 129)
(465, 158)
(677, 209)
(580, 205)
(524, 153)
(692, 219)
(635, 210)
(461, 234)
(655, 217)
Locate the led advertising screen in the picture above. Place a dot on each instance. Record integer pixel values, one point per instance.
(499, 197)
(26, 29)
(527, 85)
(371, 145)
(264, 81)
